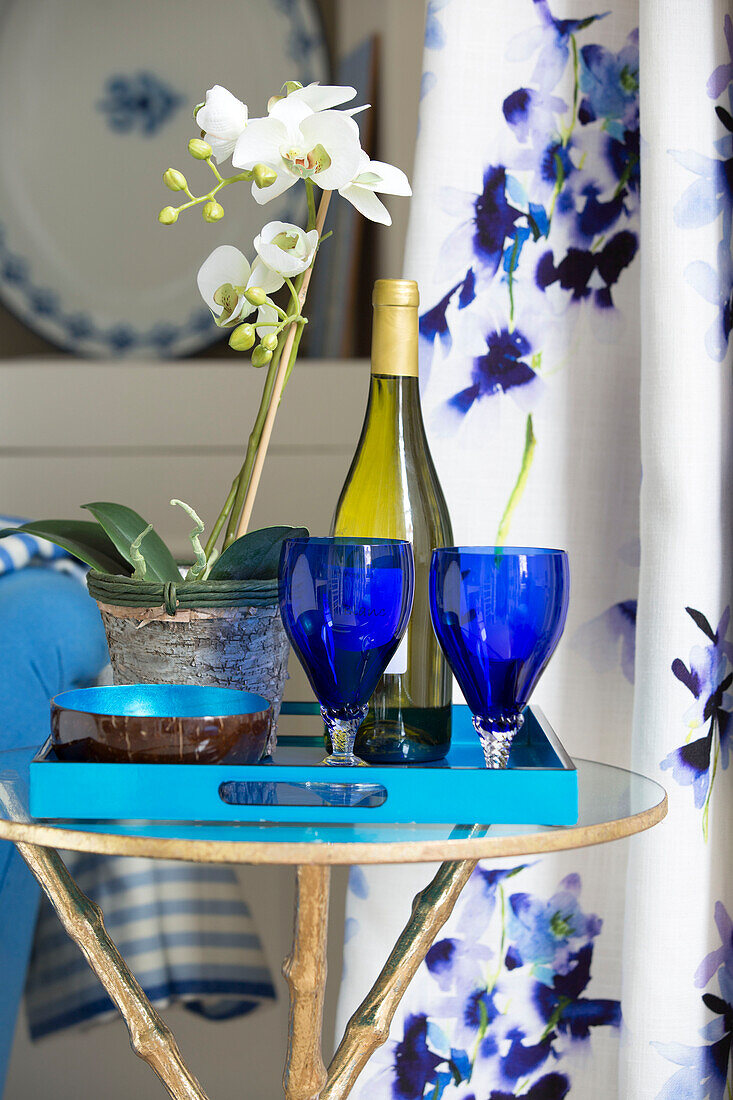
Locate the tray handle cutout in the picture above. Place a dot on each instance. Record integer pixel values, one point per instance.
(364, 796)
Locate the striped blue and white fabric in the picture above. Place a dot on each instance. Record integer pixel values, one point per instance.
(184, 929)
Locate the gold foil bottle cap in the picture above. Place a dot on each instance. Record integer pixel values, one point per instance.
(395, 292)
(395, 328)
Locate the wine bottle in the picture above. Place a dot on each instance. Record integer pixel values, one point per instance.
(392, 491)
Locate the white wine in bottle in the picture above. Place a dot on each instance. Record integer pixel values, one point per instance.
(392, 491)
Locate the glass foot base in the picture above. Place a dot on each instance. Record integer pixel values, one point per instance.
(344, 760)
(342, 734)
(496, 736)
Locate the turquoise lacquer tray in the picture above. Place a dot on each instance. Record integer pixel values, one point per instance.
(540, 786)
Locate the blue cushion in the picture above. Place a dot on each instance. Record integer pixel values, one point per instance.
(19, 898)
(51, 639)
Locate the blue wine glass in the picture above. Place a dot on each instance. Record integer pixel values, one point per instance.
(345, 603)
(498, 613)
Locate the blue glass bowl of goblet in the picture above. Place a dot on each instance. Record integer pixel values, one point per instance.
(345, 604)
(498, 613)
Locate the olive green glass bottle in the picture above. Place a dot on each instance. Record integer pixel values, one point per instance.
(392, 491)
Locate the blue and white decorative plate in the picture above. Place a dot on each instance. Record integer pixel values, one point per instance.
(97, 104)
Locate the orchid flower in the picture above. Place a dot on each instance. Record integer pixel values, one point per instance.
(300, 143)
(223, 119)
(318, 97)
(286, 248)
(372, 176)
(223, 279)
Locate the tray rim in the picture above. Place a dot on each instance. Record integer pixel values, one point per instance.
(360, 774)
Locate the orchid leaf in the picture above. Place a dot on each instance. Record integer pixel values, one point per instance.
(123, 526)
(87, 541)
(255, 556)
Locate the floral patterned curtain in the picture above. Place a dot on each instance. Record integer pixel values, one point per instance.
(567, 344)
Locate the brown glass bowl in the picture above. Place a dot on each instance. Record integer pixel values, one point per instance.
(160, 724)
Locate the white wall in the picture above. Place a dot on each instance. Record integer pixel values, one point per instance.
(140, 433)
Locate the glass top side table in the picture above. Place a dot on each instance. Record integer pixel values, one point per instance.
(614, 803)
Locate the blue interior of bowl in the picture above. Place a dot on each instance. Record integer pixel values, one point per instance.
(162, 701)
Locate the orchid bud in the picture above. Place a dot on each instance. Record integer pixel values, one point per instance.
(288, 87)
(174, 180)
(213, 211)
(255, 295)
(168, 215)
(264, 176)
(200, 150)
(261, 356)
(242, 338)
(269, 342)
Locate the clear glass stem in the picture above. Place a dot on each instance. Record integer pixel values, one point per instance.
(342, 732)
(496, 735)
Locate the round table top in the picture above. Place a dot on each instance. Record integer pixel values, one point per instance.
(614, 803)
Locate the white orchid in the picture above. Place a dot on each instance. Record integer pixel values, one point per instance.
(286, 248)
(319, 97)
(223, 279)
(298, 142)
(372, 176)
(223, 118)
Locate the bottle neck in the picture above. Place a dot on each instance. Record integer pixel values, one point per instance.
(393, 416)
(394, 341)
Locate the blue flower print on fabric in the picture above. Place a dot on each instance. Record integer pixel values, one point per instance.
(500, 368)
(506, 1002)
(553, 39)
(550, 230)
(434, 30)
(543, 932)
(708, 200)
(553, 1086)
(704, 1071)
(610, 86)
(358, 884)
(141, 104)
(722, 77)
(427, 83)
(708, 678)
(610, 639)
(578, 267)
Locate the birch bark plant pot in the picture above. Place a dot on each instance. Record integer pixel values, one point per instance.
(213, 633)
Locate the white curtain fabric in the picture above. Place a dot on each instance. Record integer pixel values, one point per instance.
(568, 343)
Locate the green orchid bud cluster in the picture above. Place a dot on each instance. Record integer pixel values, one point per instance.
(212, 210)
(244, 336)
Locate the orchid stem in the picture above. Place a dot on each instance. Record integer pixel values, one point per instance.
(243, 478)
(238, 506)
(310, 193)
(223, 182)
(286, 363)
(221, 518)
(214, 169)
(294, 290)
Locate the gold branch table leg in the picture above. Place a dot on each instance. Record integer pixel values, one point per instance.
(369, 1027)
(305, 973)
(150, 1038)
